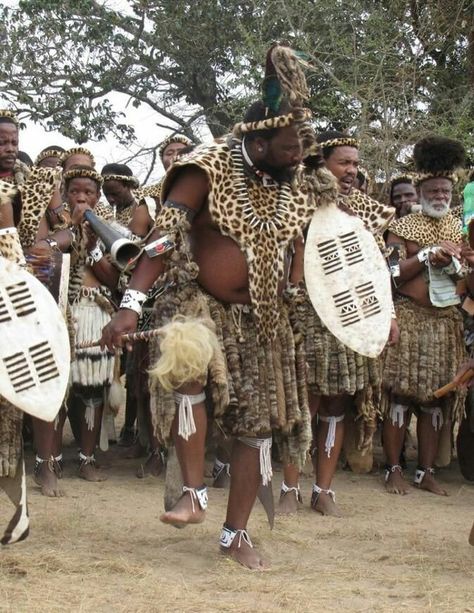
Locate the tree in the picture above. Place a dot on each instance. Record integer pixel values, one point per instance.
(387, 70)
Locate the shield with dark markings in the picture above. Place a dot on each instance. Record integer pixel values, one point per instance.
(34, 348)
(348, 281)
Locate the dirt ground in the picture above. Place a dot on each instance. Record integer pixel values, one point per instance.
(102, 548)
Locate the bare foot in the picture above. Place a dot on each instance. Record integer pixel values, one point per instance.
(183, 512)
(132, 452)
(396, 484)
(153, 466)
(245, 555)
(47, 479)
(430, 484)
(288, 503)
(90, 472)
(324, 504)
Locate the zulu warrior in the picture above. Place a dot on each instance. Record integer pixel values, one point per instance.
(426, 249)
(230, 214)
(343, 383)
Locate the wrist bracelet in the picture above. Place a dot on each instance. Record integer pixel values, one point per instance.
(394, 313)
(53, 243)
(96, 254)
(133, 299)
(8, 231)
(422, 255)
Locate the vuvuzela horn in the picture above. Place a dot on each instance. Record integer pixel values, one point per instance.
(122, 250)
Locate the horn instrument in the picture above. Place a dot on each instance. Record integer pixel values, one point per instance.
(122, 250)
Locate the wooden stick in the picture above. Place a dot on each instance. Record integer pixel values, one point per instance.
(126, 338)
(449, 387)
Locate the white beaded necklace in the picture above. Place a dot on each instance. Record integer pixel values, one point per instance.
(243, 200)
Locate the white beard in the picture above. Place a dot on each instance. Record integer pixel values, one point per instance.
(432, 209)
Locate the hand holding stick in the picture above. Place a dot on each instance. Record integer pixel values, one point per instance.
(457, 381)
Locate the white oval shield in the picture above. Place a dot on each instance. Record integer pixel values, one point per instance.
(34, 348)
(348, 281)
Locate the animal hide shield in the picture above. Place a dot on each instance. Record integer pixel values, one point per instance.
(34, 348)
(348, 281)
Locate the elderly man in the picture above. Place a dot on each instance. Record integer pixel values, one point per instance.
(425, 267)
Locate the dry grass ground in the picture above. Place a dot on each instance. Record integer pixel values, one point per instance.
(102, 549)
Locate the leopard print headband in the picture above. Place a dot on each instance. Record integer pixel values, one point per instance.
(174, 138)
(49, 153)
(74, 151)
(445, 174)
(272, 123)
(347, 141)
(8, 114)
(83, 173)
(404, 177)
(132, 181)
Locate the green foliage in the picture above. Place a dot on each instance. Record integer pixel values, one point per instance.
(388, 70)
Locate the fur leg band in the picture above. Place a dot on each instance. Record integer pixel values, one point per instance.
(264, 445)
(436, 417)
(331, 435)
(397, 414)
(186, 425)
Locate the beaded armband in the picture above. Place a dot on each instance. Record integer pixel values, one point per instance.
(133, 299)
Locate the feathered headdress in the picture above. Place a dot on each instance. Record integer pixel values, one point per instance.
(438, 156)
(284, 82)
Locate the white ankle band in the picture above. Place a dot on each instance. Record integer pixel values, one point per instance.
(397, 414)
(420, 474)
(186, 424)
(331, 435)
(317, 490)
(198, 494)
(86, 459)
(219, 467)
(285, 489)
(436, 416)
(264, 445)
(228, 536)
(391, 469)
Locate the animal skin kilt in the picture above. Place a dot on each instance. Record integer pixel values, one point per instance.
(255, 388)
(333, 368)
(428, 355)
(92, 368)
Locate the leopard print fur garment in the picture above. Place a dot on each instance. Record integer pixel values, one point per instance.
(255, 217)
(375, 215)
(427, 231)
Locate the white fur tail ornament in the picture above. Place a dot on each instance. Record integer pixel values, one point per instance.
(187, 346)
(348, 280)
(34, 350)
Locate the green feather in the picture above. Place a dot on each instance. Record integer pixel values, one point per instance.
(272, 93)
